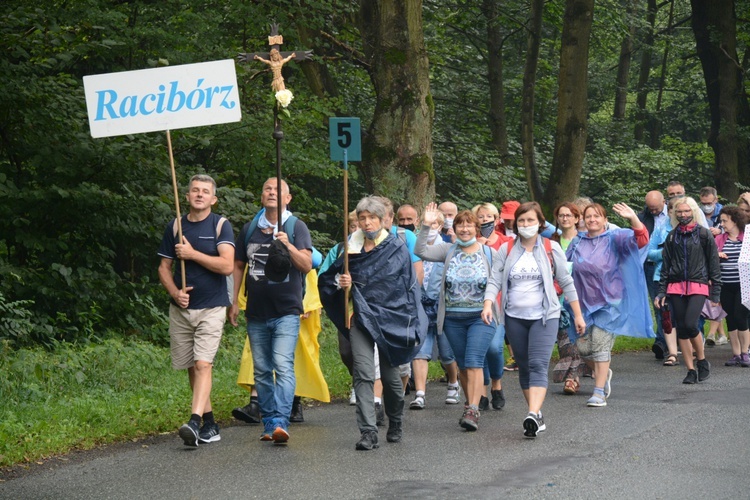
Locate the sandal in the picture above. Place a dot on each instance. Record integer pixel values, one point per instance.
(671, 360)
(571, 386)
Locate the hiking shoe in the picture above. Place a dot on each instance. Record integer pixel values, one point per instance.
(733, 361)
(189, 433)
(395, 433)
(484, 403)
(379, 415)
(498, 399)
(722, 340)
(352, 398)
(280, 435)
(209, 433)
(267, 434)
(417, 404)
(511, 365)
(368, 441)
(297, 416)
(704, 369)
(745, 360)
(607, 385)
(532, 425)
(249, 413)
(454, 395)
(710, 340)
(470, 419)
(658, 350)
(596, 401)
(691, 377)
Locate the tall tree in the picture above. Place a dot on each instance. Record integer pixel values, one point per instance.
(498, 130)
(527, 105)
(714, 26)
(397, 149)
(570, 136)
(623, 65)
(645, 71)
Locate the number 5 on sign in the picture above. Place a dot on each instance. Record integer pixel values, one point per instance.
(344, 135)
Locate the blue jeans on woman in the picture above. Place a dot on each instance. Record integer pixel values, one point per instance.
(469, 337)
(495, 361)
(273, 342)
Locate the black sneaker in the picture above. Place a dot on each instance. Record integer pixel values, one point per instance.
(379, 415)
(658, 350)
(189, 434)
(249, 413)
(691, 377)
(296, 416)
(533, 425)
(484, 403)
(209, 433)
(395, 433)
(498, 400)
(704, 369)
(368, 441)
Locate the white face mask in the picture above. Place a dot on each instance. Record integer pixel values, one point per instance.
(432, 235)
(528, 231)
(448, 223)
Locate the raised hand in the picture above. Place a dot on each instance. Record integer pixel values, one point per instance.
(430, 214)
(624, 211)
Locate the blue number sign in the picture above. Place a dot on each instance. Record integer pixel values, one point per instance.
(345, 139)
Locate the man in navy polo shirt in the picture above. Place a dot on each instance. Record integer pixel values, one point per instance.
(197, 313)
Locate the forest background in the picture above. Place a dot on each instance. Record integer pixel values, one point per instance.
(468, 101)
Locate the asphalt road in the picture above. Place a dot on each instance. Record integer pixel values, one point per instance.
(657, 438)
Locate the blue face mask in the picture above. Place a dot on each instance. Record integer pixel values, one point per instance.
(465, 244)
(371, 235)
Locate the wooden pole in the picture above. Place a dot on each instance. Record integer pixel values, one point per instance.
(176, 206)
(346, 240)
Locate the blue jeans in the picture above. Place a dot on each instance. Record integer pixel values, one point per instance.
(445, 351)
(469, 338)
(273, 342)
(495, 361)
(532, 342)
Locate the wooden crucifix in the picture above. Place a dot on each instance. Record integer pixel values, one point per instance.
(275, 59)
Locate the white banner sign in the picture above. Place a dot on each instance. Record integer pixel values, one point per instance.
(169, 98)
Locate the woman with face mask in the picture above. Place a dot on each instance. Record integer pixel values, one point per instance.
(467, 264)
(690, 273)
(526, 272)
(608, 274)
(488, 215)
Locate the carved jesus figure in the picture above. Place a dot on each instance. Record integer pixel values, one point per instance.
(276, 62)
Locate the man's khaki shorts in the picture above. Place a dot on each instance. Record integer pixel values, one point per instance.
(194, 334)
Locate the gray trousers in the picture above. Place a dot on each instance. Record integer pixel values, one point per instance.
(363, 348)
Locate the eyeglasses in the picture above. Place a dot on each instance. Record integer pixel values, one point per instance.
(565, 216)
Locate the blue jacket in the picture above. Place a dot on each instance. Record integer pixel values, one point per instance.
(386, 297)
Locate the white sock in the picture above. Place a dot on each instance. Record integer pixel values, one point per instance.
(420, 393)
(377, 400)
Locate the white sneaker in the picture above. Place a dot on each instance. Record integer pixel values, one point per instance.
(722, 340)
(352, 398)
(418, 403)
(454, 395)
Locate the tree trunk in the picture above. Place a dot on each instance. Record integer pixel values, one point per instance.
(397, 149)
(655, 124)
(643, 76)
(318, 77)
(570, 135)
(527, 104)
(496, 116)
(623, 65)
(714, 26)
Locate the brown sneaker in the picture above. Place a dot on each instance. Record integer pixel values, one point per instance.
(470, 419)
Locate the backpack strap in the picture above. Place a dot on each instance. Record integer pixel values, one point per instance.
(548, 249)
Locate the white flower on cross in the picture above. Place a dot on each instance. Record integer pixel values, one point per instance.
(284, 97)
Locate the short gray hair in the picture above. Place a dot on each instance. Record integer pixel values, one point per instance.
(203, 178)
(372, 205)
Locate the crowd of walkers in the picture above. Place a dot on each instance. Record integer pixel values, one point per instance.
(458, 286)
